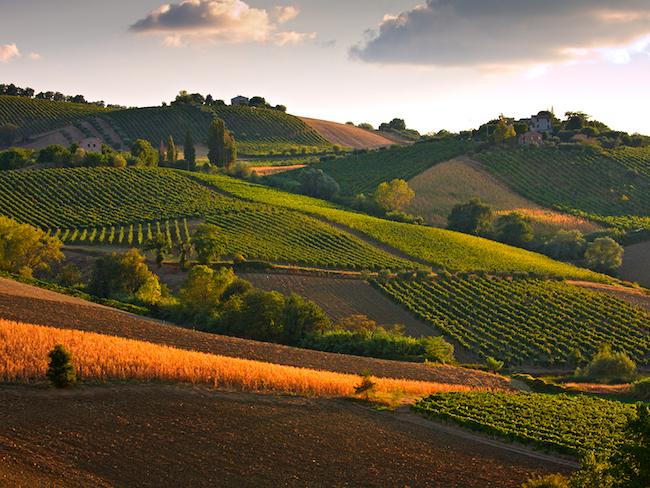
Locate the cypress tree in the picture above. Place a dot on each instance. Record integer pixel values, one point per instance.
(221, 146)
(189, 153)
(171, 152)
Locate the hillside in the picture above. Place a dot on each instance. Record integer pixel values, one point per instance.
(455, 181)
(347, 135)
(91, 435)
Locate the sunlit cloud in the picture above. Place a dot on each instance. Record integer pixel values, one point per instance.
(218, 21)
(624, 55)
(35, 56)
(8, 52)
(507, 33)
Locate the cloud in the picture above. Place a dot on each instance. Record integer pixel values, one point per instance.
(35, 56)
(8, 52)
(221, 21)
(493, 33)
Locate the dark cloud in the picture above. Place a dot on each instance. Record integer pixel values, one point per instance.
(502, 32)
(218, 21)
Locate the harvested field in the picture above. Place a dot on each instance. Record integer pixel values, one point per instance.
(347, 135)
(178, 435)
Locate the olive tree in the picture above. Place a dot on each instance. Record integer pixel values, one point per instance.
(24, 248)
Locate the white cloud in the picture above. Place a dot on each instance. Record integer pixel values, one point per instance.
(222, 21)
(508, 33)
(8, 52)
(35, 56)
(623, 55)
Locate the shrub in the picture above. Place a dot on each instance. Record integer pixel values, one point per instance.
(548, 481)
(607, 365)
(641, 389)
(61, 371)
(492, 364)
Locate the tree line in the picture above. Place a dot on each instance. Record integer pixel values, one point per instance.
(56, 96)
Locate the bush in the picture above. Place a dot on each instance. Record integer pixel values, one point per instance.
(61, 371)
(641, 389)
(611, 366)
(492, 364)
(548, 481)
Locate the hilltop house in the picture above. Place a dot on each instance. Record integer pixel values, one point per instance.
(91, 144)
(238, 100)
(540, 122)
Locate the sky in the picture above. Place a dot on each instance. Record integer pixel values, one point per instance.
(437, 64)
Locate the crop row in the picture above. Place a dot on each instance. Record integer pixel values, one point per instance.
(569, 424)
(524, 321)
(115, 235)
(586, 185)
(438, 247)
(33, 116)
(636, 159)
(283, 235)
(72, 198)
(363, 173)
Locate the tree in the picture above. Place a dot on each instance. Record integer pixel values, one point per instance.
(14, 158)
(202, 291)
(567, 244)
(24, 248)
(160, 243)
(300, 319)
(514, 229)
(317, 184)
(393, 196)
(504, 133)
(8, 133)
(604, 255)
(258, 102)
(221, 146)
(60, 370)
(630, 465)
(145, 152)
(473, 217)
(397, 124)
(207, 243)
(172, 152)
(118, 274)
(222, 151)
(189, 153)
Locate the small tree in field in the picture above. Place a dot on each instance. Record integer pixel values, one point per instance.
(366, 386)
(61, 371)
(393, 196)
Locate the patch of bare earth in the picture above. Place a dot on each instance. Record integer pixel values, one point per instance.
(347, 135)
(178, 435)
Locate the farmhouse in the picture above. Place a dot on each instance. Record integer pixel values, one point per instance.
(530, 137)
(540, 122)
(238, 100)
(91, 144)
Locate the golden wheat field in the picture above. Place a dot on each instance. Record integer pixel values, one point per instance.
(24, 349)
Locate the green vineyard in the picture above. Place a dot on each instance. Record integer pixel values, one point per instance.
(257, 131)
(72, 198)
(524, 321)
(34, 116)
(365, 172)
(569, 424)
(282, 235)
(593, 187)
(437, 247)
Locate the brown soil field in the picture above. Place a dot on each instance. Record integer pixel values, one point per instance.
(636, 264)
(153, 434)
(347, 135)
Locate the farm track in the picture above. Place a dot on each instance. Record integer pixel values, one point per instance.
(151, 434)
